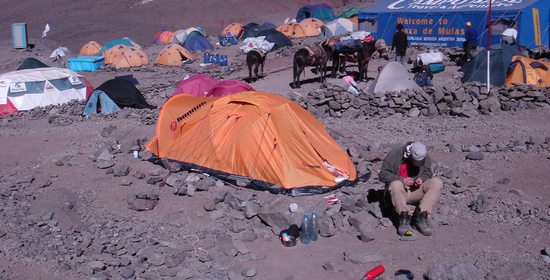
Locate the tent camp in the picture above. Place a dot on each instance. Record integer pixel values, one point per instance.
(501, 57)
(337, 27)
(235, 29)
(90, 48)
(121, 56)
(26, 89)
(31, 63)
(204, 86)
(195, 41)
(124, 41)
(252, 29)
(527, 71)
(442, 23)
(113, 95)
(313, 22)
(228, 87)
(351, 14)
(277, 38)
(263, 137)
(393, 77)
(174, 55)
(319, 11)
(298, 30)
(163, 37)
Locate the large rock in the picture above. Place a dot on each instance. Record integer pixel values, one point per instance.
(121, 170)
(489, 105)
(335, 83)
(462, 271)
(363, 219)
(276, 214)
(143, 201)
(326, 227)
(475, 156)
(175, 180)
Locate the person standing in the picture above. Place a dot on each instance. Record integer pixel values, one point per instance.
(407, 173)
(471, 41)
(400, 44)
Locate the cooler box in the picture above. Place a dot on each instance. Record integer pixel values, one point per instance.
(437, 67)
(86, 63)
(19, 35)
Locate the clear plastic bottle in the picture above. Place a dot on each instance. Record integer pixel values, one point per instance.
(304, 229)
(314, 227)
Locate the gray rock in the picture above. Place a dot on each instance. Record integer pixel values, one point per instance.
(175, 180)
(127, 272)
(328, 266)
(413, 112)
(142, 201)
(121, 170)
(249, 272)
(232, 201)
(238, 226)
(209, 205)
(206, 183)
(217, 214)
(326, 227)
(361, 257)
(185, 273)
(251, 209)
(503, 181)
(474, 149)
(363, 219)
(125, 182)
(105, 155)
(463, 271)
(386, 222)
(514, 270)
(475, 156)
(96, 265)
(248, 236)
(481, 204)
(104, 164)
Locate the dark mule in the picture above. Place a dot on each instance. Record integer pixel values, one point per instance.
(361, 52)
(255, 59)
(309, 56)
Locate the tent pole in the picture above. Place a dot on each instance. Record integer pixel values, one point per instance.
(489, 48)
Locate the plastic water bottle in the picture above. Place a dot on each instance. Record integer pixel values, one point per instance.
(314, 226)
(206, 58)
(304, 229)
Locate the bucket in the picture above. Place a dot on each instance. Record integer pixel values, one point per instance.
(19, 35)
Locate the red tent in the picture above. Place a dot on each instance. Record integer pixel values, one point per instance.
(228, 87)
(197, 85)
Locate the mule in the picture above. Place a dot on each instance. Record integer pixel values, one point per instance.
(309, 56)
(362, 52)
(255, 59)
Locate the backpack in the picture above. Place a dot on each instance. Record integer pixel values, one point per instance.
(423, 77)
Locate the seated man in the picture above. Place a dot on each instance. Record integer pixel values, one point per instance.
(407, 173)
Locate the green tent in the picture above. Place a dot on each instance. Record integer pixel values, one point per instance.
(349, 13)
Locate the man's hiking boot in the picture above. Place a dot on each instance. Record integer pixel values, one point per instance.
(422, 223)
(404, 223)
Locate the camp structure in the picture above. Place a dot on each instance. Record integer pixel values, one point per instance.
(339, 26)
(174, 55)
(256, 136)
(163, 37)
(393, 78)
(277, 38)
(31, 63)
(313, 22)
(253, 29)
(196, 41)
(501, 57)
(527, 71)
(351, 14)
(121, 56)
(228, 87)
(298, 30)
(124, 41)
(26, 89)
(196, 85)
(322, 12)
(113, 95)
(90, 48)
(236, 29)
(442, 23)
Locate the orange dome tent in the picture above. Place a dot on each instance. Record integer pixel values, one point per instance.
(527, 71)
(298, 30)
(90, 48)
(174, 55)
(263, 137)
(234, 28)
(313, 22)
(121, 56)
(163, 37)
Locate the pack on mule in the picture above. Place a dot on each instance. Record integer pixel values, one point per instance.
(315, 56)
(255, 59)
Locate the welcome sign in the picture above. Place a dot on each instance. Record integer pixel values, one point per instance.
(450, 4)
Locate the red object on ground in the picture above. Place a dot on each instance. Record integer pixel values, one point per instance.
(375, 272)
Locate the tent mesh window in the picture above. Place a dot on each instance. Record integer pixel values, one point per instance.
(31, 87)
(61, 84)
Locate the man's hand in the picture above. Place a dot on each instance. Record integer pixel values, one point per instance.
(408, 182)
(418, 182)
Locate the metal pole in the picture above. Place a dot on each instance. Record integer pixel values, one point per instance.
(489, 48)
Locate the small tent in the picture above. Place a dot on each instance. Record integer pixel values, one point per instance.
(26, 89)
(197, 85)
(124, 41)
(322, 11)
(351, 14)
(90, 48)
(228, 87)
(253, 29)
(337, 27)
(179, 36)
(313, 22)
(234, 28)
(277, 38)
(121, 56)
(174, 55)
(298, 30)
(195, 41)
(31, 63)
(262, 137)
(113, 95)
(163, 37)
(501, 57)
(393, 77)
(527, 71)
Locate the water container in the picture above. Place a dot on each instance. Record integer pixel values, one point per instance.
(206, 58)
(304, 229)
(314, 226)
(19, 35)
(223, 60)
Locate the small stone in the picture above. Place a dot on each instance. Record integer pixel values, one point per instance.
(217, 214)
(127, 273)
(386, 222)
(475, 156)
(249, 272)
(328, 266)
(104, 164)
(209, 205)
(504, 181)
(413, 112)
(125, 182)
(326, 227)
(249, 236)
(96, 265)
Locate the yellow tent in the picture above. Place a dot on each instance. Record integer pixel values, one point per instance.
(528, 71)
(121, 56)
(90, 48)
(174, 55)
(234, 28)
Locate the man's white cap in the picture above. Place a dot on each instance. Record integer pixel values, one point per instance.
(418, 151)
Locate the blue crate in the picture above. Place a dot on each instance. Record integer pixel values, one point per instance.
(86, 63)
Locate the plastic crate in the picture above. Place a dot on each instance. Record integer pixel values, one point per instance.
(86, 63)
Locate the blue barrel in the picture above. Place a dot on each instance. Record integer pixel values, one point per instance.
(19, 35)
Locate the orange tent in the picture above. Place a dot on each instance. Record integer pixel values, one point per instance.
(234, 28)
(166, 37)
(90, 48)
(121, 56)
(297, 30)
(174, 55)
(264, 137)
(313, 22)
(528, 71)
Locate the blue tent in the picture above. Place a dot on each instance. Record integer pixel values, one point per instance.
(442, 23)
(277, 38)
(319, 11)
(252, 29)
(100, 98)
(195, 41)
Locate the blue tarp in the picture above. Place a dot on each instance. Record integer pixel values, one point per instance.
(442, 22)
(196, 42)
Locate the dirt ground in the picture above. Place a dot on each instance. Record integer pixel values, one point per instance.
(54, 199)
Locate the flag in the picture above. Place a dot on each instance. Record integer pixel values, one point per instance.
(46, 30)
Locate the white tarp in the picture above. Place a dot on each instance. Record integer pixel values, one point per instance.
(357, 35)
(60, 52)
(430, 57)
(256, 43)
(393, 77)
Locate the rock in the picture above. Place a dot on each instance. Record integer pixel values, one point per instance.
(104, 164)
(514, 270)
(209, 205)
(206, 183)
(474, 149)
(233, 201)
(248, 236)
(185, 273)
(328, 266)
(326, 227)
(249, 272)
(481, 204)
(475, 156)
(217, 214)
(386, 222)
(413, 112)
(251, 209)
(127, 272)
(276, 214)
(503, 181)
(361, 257)
(143, 201)
(96, 265)
(363, 220)
(105, 155)
(125, 182)
(463, 271)
(335, 83)
(175, 180)
(489, 105)
(121, 170)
